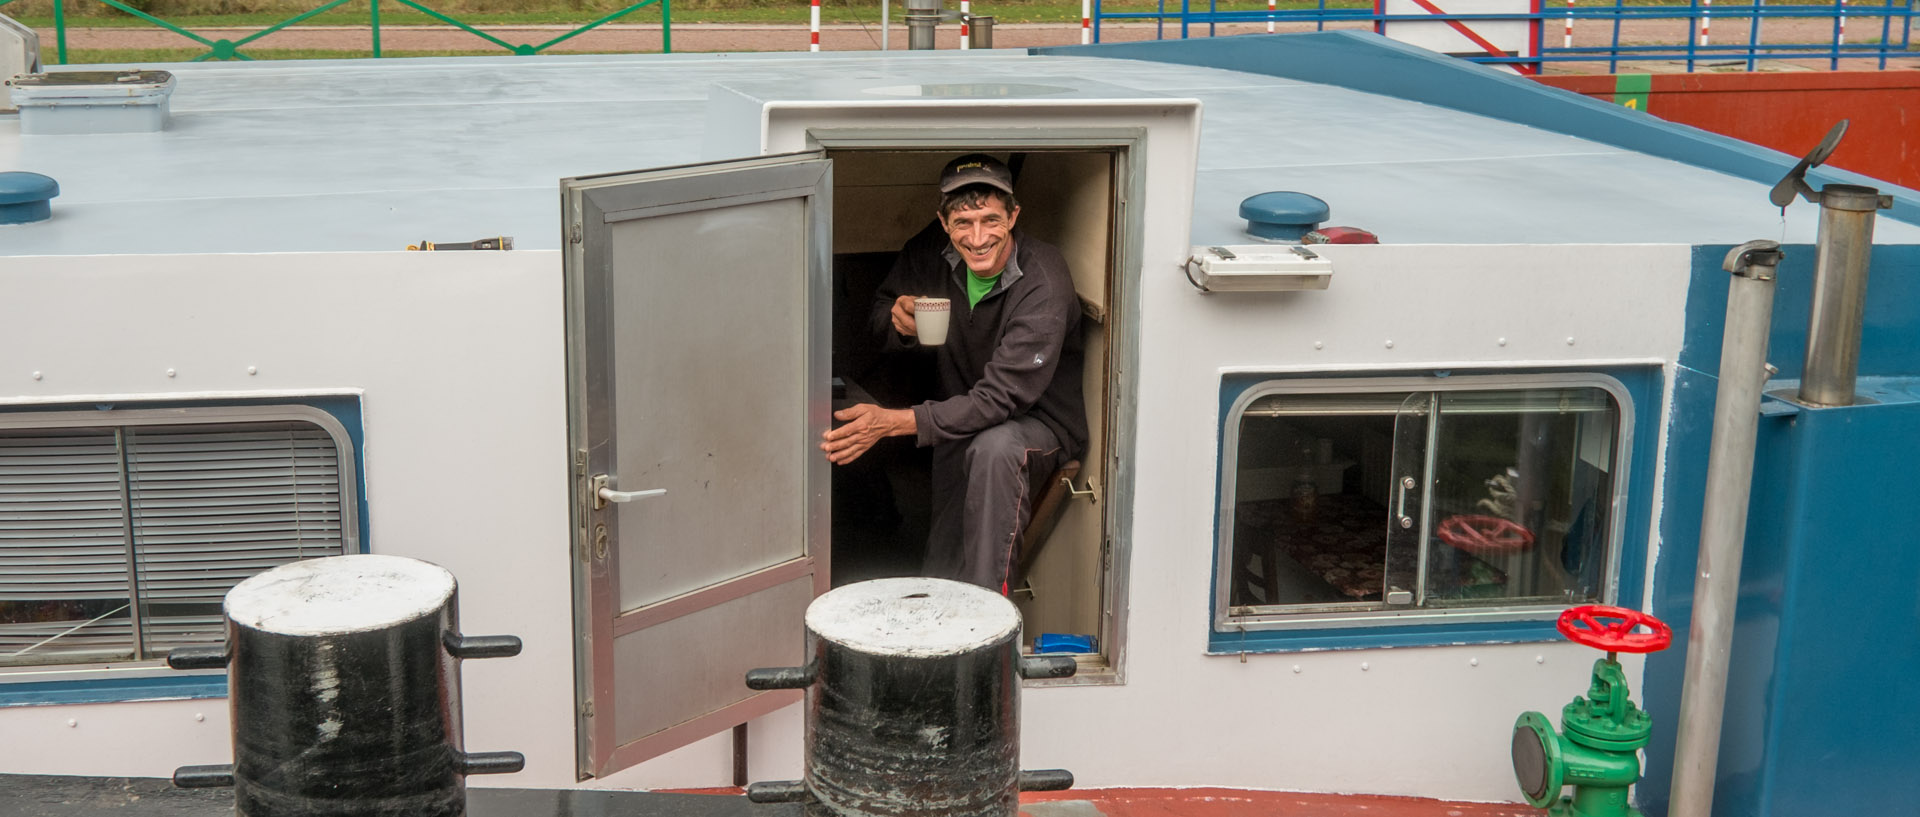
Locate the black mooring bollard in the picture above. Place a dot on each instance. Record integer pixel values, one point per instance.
(344, 682)
(912, 703)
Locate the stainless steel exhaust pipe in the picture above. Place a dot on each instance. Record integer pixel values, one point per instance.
(980, 31)
(923, 20)
(1723, 524)
(1839, 294)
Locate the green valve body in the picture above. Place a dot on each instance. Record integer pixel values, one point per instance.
(1598, 754)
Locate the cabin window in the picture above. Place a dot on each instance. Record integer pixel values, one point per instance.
(1418, 500)
(121, 532)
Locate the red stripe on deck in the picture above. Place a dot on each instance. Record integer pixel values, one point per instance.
(1216, 802)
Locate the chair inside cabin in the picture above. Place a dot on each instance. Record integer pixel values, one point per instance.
(1048, 498)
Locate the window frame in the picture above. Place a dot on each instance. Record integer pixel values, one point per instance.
(113, 681)
(1319, 629)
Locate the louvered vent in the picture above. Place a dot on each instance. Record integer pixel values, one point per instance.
(119, 544)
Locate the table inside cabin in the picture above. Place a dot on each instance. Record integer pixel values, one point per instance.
(1334, 553)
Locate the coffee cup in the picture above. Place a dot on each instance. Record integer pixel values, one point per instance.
(930, 320)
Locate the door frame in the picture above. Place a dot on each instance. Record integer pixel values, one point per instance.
(1129, 145)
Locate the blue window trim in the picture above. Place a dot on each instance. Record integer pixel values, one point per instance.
(113, 690)
(1645, 387)
(343, 408)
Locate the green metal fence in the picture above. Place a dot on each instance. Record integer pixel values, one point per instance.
(224, 49)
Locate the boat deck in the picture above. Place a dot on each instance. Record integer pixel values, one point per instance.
(61, 796)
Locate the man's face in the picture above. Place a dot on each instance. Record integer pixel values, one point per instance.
(982, 235)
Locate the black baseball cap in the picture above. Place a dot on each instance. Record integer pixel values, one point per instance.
(976, 168)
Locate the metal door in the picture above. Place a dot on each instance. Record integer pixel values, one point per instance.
(698, 342)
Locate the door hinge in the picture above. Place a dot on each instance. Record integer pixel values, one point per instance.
(586, 710)
(573, 234)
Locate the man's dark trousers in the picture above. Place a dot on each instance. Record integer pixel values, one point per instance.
(980, 488)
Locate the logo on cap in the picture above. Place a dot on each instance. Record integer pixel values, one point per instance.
(977, 168)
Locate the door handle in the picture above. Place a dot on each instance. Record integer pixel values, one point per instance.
(603, 493)
(1400, 500)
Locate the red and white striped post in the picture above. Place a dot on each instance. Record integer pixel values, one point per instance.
(1086, 22)
(1706, 21)
(1270, 5)
(966, 31)
(1840, 37)
(1569, 40)
(815, 44)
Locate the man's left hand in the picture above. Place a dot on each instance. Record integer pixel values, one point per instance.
(865, 424)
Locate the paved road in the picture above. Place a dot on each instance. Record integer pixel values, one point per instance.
(640, 38)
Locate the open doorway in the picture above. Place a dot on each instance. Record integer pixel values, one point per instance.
(881, 502)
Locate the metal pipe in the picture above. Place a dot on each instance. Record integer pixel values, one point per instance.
(1723, 524)
(980, 31)
(923, 20)
(1839, 294)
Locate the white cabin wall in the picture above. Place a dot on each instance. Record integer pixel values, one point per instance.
(460, 363)
(1409, 721)
(459, 360)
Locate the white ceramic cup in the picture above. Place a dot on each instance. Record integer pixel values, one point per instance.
(930, 320)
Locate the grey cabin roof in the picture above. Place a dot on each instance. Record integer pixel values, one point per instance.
(373, 155)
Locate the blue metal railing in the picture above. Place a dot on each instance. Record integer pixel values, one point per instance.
(1894, 30)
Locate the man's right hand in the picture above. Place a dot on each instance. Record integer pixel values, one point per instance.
(903, 316)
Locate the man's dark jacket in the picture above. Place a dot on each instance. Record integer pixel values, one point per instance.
(1019, 351)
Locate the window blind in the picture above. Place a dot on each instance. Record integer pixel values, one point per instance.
(63, 546)
(205, 507)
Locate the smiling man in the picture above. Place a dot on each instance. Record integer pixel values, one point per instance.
(1008, 407)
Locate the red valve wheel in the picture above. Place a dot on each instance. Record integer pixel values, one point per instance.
(1611, 629)
(1474, 533)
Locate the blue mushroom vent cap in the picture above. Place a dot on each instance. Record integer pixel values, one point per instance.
(25, 197)
(1283, 216)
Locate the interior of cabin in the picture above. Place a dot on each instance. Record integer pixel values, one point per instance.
(882, 502)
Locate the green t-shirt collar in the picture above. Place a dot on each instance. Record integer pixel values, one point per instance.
(978, 288)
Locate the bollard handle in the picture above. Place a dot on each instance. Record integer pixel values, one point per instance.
(780, 678)
(492, 762)
(782, 791)
(203, 777)
(1048, 666)
(1046, 780)
(198, 658)
(482, 646)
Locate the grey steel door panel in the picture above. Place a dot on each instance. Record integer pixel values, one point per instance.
(698, 352)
